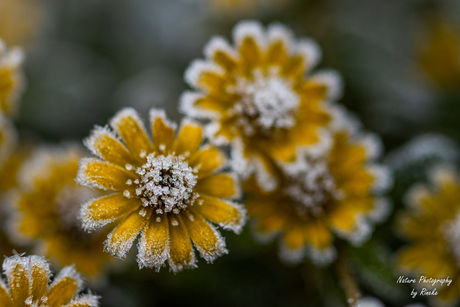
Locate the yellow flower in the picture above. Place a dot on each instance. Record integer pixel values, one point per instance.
(432, 225)
(48, 203)
(28, 285)
(440, 53)
(257, 97)
(166, 191)
(20, 20)
(334, 191)
(11, 82)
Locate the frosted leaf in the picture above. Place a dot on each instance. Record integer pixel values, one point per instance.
(267, 102)
(187, 106)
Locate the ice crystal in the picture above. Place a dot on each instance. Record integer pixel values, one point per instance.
(266, 102)
(166, 183)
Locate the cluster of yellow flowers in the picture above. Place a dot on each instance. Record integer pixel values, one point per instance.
(300, 166)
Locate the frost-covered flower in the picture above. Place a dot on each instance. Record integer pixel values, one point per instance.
(28, 285)
(257, 97)
(432, 224)
(47, 208)
(166, 191)
(439, 54)
(11, 80)
(21, 20)
(331, 192)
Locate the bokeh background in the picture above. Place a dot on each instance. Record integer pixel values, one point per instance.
(400, 61)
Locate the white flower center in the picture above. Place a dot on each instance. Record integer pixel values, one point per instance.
(166, 183)
(267, 102)
(312, 188)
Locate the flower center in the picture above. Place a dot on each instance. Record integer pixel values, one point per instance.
(266, 103)
(312, 189)
(166, 183)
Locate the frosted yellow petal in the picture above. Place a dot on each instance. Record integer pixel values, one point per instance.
(121, 239)
(40, 279)
(318, 235)
(250, 55)
(207, 160)
(189, 139)
(163, 132)
(154, 243)
(295, 67)
(107, 147)
(132, 131)
(271, 222)
(225, 60)
(181, 251)
(277, 54)
(294, 237)
(18, 281)
(213, 82)
(107, 209)
(343, 218)
(62, 292)
(218, 185)
(104, 175)
(5, 299)
(224, 213)
(204, 236)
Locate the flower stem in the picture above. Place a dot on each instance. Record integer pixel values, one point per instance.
(348, 283)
